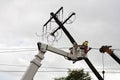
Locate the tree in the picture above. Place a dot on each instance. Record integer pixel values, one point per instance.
(76, 75)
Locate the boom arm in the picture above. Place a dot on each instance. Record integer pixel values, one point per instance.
(35, 63)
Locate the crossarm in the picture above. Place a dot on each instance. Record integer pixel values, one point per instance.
(52, 17)
(64, 29)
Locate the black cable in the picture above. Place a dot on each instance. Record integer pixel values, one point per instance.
(103, 72)
(23, 49)
(12, 65)
(116, 49)
(25, 71)
(50, 71)
(55, 69)
(99, 48)
(16, 51)
(3, 50)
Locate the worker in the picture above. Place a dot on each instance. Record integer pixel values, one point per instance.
(85, 47)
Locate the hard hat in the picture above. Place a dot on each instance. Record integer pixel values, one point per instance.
(85, 43)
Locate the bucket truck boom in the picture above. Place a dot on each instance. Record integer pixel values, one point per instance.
(35, 63)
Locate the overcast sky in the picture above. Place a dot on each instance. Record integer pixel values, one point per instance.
(97, 21)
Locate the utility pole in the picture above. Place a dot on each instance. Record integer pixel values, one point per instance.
(61, 26)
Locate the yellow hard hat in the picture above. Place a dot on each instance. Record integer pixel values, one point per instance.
(85, 43)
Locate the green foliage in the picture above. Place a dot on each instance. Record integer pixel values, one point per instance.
(76, 75)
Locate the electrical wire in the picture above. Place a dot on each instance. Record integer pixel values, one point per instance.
(10, 50)
(11, 65)
(56, 69)
(99, 48)
(116, 49)
(103, 72)
(61, 68)
(94, 48)
(45, 27)
(8, 65)
(25, 71)
(16, 48)
(52, 71)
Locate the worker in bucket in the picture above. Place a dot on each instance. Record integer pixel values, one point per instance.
(85, 47)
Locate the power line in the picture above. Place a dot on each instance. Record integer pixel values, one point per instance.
(22, 49)
(7, 51)
(99, 48)
(10, 65)
(27, 66)
(16, 48)
(18, 71)
(10, 50)
(29, 48)
(25, 71)
(59, 69)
